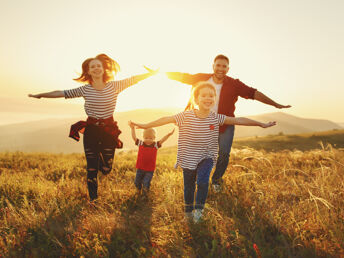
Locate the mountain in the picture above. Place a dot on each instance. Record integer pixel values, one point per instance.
(51, 135)
(286, 124)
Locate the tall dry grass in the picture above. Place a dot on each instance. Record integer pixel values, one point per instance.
(273, 204)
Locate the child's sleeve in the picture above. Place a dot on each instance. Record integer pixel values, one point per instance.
(179, 118)
(221, 119)
(74, 93)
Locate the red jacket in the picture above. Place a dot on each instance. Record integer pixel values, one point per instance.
(230, 91)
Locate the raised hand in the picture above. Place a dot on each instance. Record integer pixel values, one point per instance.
(131, 124)
(170, 133)
(153, 72)
(269, 124)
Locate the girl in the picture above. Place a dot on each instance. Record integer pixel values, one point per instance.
(100, 130)
(198, 144)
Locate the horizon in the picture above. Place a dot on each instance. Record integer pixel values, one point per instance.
(172, 110)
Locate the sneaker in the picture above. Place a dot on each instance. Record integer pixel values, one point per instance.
(198, 213)
(216, 188)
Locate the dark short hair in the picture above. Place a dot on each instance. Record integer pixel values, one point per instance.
(221, 57)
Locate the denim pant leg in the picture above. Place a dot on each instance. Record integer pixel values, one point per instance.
(139, 178)
(147, 178)
(203, 174)
(189, 188)
(225, 145)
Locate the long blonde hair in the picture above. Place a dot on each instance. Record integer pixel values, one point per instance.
(195, 92)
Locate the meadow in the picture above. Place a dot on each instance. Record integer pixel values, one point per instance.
(282, 203)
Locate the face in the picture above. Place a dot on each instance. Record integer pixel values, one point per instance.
(206, 98)
(148, 137)
(95, 69)
(221, 68)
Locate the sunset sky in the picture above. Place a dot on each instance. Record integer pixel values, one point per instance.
(293, 51)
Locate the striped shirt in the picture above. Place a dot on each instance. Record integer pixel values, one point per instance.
(198, 138)
(100, 104)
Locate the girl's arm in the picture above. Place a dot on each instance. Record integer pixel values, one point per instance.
(51, 94)
(133, 133)
(159, 122)
(247, 122)
(163, 139)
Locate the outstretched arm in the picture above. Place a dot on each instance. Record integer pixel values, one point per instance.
(246, 121)
(266, 100)
(159, 122)
(163, 139)
(141, 77)
(51, 94)
(133, 132)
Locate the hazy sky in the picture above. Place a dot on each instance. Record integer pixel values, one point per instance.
(290, 50)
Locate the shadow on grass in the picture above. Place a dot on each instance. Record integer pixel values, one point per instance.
(52, 239)
(254, 229)
(133, 239)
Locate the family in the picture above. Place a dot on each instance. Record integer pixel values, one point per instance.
(206, 127)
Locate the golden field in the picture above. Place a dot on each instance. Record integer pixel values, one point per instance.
(287, 203)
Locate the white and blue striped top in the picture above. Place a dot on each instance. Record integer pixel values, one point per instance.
(100, 104)
(198, 138)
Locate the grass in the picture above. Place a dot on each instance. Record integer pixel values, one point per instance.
(288, 203)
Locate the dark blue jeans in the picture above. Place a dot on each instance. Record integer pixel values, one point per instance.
(143, 178)
(201, 176)
(225, 145)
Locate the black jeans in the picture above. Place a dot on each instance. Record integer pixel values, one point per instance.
(99, 149)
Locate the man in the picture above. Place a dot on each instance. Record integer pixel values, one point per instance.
(227, 90)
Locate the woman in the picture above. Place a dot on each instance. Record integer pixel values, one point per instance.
(100, 130)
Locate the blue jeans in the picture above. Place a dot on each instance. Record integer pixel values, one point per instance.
(225, 145)
(202, 173)
(143, 178)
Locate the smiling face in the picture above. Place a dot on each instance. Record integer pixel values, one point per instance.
(149, 136)
(95, 69)
(220, 68)
(206, 98)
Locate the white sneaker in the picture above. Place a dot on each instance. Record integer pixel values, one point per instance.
(198, 213)
(216, 188)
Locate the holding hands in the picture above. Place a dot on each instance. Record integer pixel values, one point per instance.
(140, 126)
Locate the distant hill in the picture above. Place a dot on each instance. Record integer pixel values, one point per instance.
(51, 135)
(286, 124)
(303, 141)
